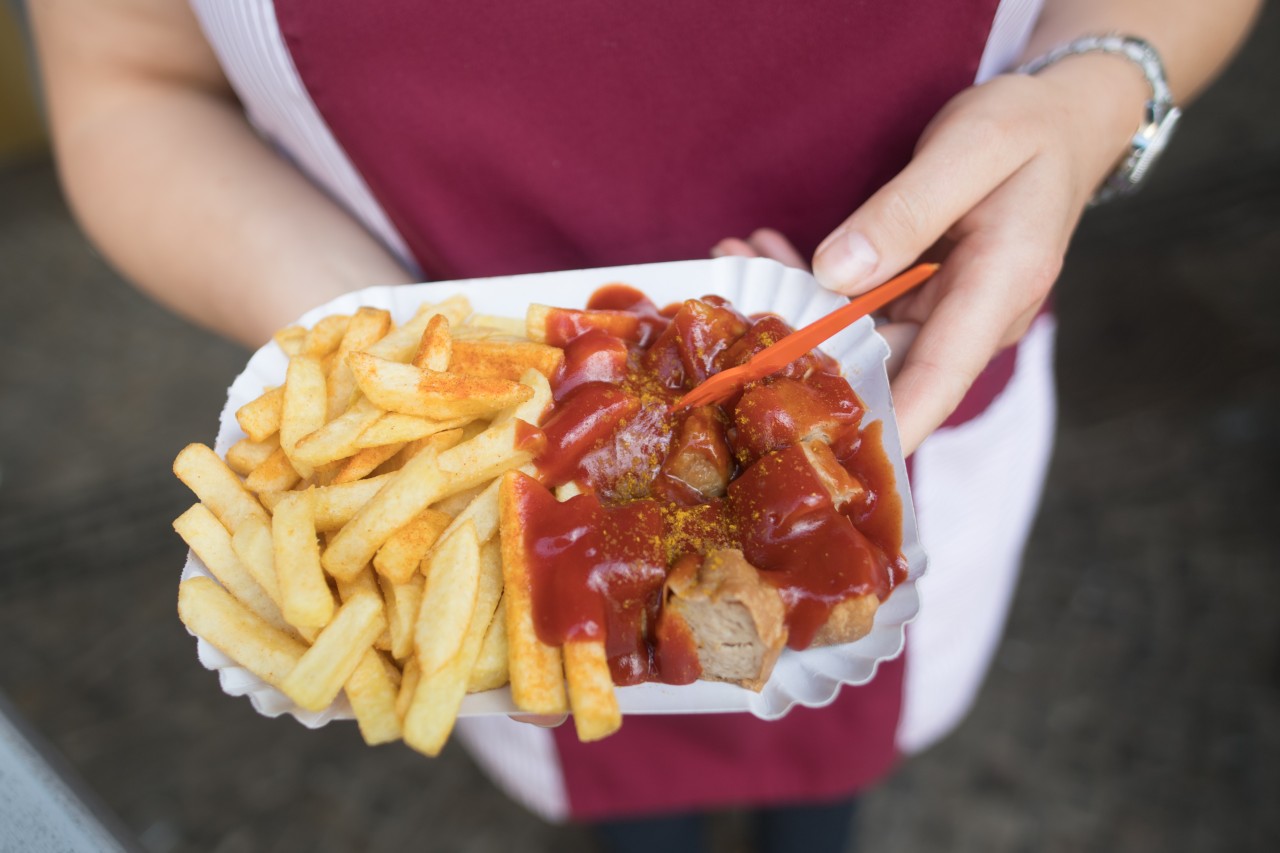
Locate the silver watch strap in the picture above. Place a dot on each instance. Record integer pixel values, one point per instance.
(1132, 48)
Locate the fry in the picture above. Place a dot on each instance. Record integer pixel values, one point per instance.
(503, 325)
(491, 669)
(247, 454)
(331, 660)
(595, 705)
(372, 690)
(448, 600)
(324, 337)
(440, 691)
(212, 544)
(482, 512)
(304, 594)
(402, 602)
(400, 344)
(504, 359)
(365, 462)
(395, 428)
(408, 685)
(368, 326)
(337, 439)
(252, 544)
(290, 339)
(217, 486)
(435, 347)
(365, 582)
(212, 613)
(413, 391)
(259, 418)
(303, 409)
(537, 676)
(400, 556)
(336, 504)
(275, 474)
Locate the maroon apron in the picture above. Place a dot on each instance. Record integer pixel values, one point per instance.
(509, 137)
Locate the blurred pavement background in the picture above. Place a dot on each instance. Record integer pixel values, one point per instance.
(1135, 703)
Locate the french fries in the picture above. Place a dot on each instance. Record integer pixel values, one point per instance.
(356, 533)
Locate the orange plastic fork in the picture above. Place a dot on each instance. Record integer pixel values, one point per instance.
(773, 358)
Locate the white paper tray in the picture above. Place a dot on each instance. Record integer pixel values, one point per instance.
(812, 677)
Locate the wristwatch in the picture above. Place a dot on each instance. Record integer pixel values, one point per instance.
(1160, 116)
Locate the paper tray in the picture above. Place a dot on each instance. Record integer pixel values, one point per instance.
(812, 677)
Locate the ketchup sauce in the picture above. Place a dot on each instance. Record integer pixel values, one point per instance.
(782, 471)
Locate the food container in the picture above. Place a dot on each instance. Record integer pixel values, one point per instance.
(812, 677)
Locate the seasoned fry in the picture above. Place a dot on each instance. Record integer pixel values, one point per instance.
(367, 327)
(591, 697)
(504, 359)
(402, 602)
(395, 428)
(491, 669)
(260, 418)
(303, 409)
(481, 512)
(336, 653)
(337, 439)
(441, 689)
(365, 462)
(212, 613)
(365, 582)
(435, 347)
(400, 556)
(275, 474)
(372, 690)
(217, 486)
(336, 504)
(400, 344)
(408, 686)
(448, 600)
(305, 596)
(324, 337)
(290, 339)
(537, 675)
(252, 544)
(247, 454)
(510, 326)
(413, 391)
(212, 544)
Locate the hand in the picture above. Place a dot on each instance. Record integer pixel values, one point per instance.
(997, 184)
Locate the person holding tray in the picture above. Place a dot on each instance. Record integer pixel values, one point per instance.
(245, 160)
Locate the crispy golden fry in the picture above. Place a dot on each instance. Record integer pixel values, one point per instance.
(260, 417)
(441, 688)
(303, 410)
(304, 592)
(453, 505)
(591, 697)
(211, 612)
(509, 326)
(252, 544)
(435, 347)
(212, 544)
(481, 512)
(425, 479)
(331, 660)
(275, 474)
(290, 339)
(537, 675)
(504, 359)
(401, 555)
(217, 486)
(408, 686)
(365, 582)
(413, 391)
(448, 600)
(372, 690)
(402, 601)
(531, 410)
(336, 504)
(337, 439)
(368, 326)
(491, 669)
(395, 428)
(324, 337)
(624, 324)
(247, 454)
(401, 343)
(365, 462)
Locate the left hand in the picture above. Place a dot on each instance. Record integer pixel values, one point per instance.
(998, 182)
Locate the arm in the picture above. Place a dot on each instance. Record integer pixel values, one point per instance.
(997, 184)
(171, 183)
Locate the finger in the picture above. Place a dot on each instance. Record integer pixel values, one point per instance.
(959, 165)
(543, 721)
(771, 244)
(733, 247)
(899, 337)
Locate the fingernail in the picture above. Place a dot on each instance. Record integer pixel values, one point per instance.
(717, 252)
(845, 262)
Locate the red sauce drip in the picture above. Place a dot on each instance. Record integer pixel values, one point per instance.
(661, 486)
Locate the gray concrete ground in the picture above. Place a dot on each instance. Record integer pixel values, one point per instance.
(1135, 704)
